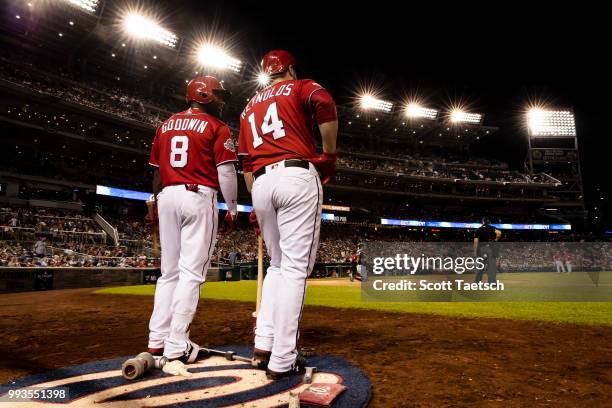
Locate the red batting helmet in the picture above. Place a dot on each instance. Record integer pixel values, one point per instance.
(205, 89)
(276, 62)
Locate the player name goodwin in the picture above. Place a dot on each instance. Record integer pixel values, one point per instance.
(424, 285)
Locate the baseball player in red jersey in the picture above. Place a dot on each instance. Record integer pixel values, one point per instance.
(195, 156)
(280, 167)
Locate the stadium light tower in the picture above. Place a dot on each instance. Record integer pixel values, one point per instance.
(369, 102)
(142, 27)
(416, 111)
(553, 149)
(218, 58)
(551, 123)
(460, 116)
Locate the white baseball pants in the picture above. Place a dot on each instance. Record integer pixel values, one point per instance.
(288, 202)
(560, 266)
(187, 234)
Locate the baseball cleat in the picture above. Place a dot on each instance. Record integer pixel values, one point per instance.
(299, 367)
(190, 355)
(261, 358)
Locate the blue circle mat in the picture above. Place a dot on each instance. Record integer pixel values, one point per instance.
(211, 386)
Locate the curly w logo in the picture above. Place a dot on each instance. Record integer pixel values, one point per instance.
(215, 382)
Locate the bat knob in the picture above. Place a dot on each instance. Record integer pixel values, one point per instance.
(135, 367)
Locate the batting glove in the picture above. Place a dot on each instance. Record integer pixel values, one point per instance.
(326, 165)
(229, 222)
(176, 367)
(254, 223)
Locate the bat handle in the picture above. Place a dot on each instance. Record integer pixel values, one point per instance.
(260, 273)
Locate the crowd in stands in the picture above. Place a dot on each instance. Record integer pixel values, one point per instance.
(19, 254)
(56, 225)
(428, 170)
(57, 119)
(36, 236)
(420, 158)
(94, 94)
(51, 240)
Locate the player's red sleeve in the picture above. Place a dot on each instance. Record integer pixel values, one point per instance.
(324, 106)
(154, 158)
(243, 152)
(224, 148)
(319, 100)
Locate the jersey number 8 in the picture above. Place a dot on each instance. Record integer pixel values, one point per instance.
(271, 124)
(178, 151)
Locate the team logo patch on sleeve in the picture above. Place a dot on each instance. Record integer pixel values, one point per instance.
(229, 145)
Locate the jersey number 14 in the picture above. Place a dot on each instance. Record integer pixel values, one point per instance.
(271, 124)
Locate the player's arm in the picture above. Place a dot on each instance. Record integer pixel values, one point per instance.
(324, 109)
(248, 180)
(245, 159)
(225, 158)
(156, 183)
(475, 246)
(329, 134)
(229, 185)
(154, 161)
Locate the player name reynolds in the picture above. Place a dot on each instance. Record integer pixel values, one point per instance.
(423, 284)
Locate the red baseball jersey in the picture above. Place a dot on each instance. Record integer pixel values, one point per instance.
(277, 123)
(189, 146)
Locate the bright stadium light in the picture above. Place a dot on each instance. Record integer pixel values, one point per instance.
(217, 58)
(416, 111)
(459, 116)
(141, 27)
(544, 122)
(88, 5)
(263, 79)
(368, 102)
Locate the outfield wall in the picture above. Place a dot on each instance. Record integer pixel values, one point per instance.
(25, 279)
(44, 278)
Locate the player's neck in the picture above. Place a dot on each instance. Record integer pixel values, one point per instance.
(283, 78)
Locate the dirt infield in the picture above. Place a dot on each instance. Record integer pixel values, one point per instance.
(412, 360)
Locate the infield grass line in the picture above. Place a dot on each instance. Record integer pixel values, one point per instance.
(592, 313)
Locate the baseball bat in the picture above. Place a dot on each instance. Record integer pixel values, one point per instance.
(152, 209)
(260, 274)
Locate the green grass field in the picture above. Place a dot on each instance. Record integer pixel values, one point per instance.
(349, 296)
